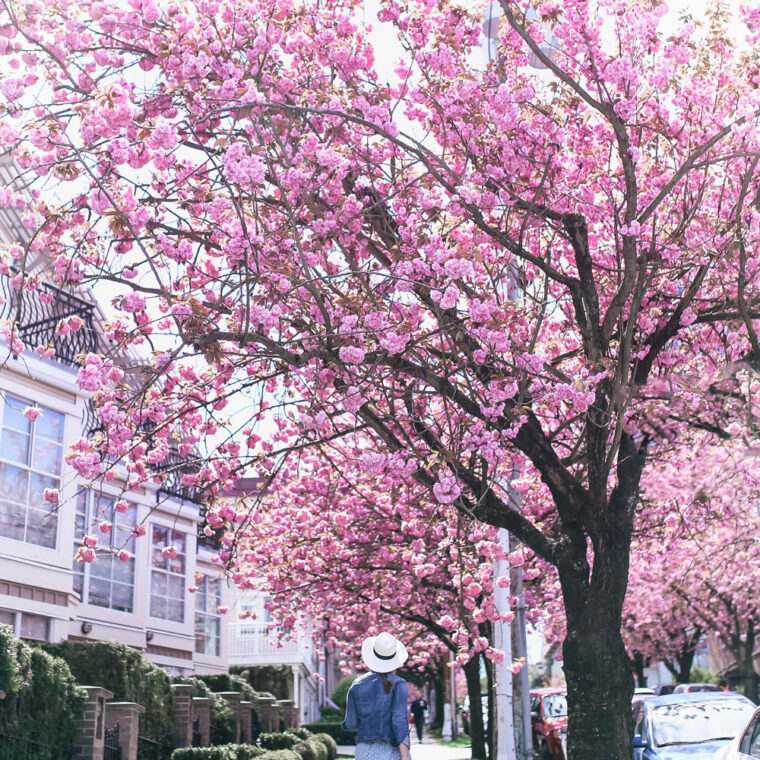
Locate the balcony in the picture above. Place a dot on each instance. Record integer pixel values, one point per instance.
(36, 321)
(252, 643)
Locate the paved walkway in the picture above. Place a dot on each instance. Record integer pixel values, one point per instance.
(428, 750)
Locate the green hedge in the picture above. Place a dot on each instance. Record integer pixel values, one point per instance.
(340, 693)
(335, 730)
(274, 679)
(224, 752)
(301, 733)
(42, 700)
(129, 675)
(281, 754)
(313, 748)
(331, 715)
(277, 741)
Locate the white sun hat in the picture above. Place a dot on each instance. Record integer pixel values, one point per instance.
(383, 653)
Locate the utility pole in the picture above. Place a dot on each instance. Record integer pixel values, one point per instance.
(504, 735)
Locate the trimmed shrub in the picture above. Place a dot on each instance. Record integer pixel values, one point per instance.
(301, 733)
(42, 700)
(330, 744)
(130, 676)
(225, 752)
(335, 730)
(305, 751)
(276, 680)
(204, 753)
(277, 741)
(280, 754)
(228, 682)
(340, 693)
(331, 715)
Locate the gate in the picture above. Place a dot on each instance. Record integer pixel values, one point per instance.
(111, 748)
(196, 731)
(147, 749)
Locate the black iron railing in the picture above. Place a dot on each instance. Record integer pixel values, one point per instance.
(196, 731)
(147, 749)
(37, 321)
(173, 468)
(111, 748)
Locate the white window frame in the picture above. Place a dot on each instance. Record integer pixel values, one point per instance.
(119, 538)
(57, 478)
(173, 534)
(209, 614)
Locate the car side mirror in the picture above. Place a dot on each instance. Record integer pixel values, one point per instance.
(534, 715)
(638, 742)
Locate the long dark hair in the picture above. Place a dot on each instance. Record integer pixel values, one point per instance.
(386, 684)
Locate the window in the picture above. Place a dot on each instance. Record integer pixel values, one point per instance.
(108, 581)
(31, 456)
(207, 619)
(167, 576)
(26, 626)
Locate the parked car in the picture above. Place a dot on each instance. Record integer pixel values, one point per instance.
(693, 726)
(746, 744)
(464, 713)
(691, 688)
(548, 717)
(664, 688)
(643, 691)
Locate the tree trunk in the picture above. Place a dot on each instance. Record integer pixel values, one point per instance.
(638, 665)
(597, 669)
(748, 673)
(440, 697)
(685, 662)
(477, 732)
(491, 717)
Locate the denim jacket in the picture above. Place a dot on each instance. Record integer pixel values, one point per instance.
(375, 715)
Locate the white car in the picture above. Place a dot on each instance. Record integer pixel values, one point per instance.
(746, 744)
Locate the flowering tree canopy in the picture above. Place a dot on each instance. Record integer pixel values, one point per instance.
(493, 275)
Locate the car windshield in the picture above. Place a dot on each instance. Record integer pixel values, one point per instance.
(699, 722)
(555, 706)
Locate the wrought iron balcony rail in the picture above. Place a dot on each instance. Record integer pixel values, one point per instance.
(37, 321)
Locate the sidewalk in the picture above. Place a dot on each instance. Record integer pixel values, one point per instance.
(428, 750)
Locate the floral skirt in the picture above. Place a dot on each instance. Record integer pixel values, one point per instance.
(377, 751)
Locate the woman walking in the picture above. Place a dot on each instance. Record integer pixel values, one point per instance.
(376, 706)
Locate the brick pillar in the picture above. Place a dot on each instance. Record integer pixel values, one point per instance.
(88, 737)
(182, 729)
(289, 712)
(202, 709)
(127, 715)
(233, 700)
(274, 720)
(265, 714)
(245, 722)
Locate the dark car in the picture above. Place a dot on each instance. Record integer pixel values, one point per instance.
(688, 726)
(548, 714)
(691, 688)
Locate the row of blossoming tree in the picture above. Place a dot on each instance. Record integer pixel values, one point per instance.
(473, 276)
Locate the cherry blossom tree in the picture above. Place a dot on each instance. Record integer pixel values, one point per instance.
(695, 570)
(353, 553)
(505, 279)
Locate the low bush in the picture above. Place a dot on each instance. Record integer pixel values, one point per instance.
(330, 744)
(129, 675)
(280, 754)
(224, 752)
(277, 741)
(301, 733)
(335, 730)
(41, 698)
